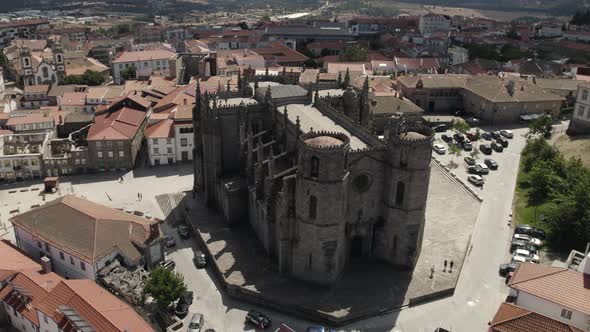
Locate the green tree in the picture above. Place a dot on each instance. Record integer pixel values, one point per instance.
(93, 78)
(129, 73)
(461, 127)
(165, 286)
(455, 151)
(243, 25)
(512, 34)
(541, 178)
(542, 125)
(121, 29)
(353, 54)
(537, 149)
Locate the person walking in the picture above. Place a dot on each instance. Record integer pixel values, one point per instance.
(432, 272)
(445, 266)
(451, 267)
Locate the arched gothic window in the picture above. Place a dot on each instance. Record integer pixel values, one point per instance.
(313, 207)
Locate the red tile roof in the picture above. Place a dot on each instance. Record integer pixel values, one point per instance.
(144, 56)
(512, 318)
(161, 129)
(563, 286)
(281, 53)
(122, 124)
(14, 260)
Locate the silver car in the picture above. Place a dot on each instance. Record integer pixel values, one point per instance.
(196, 323)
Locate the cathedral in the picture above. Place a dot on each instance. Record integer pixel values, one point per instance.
(312, 178)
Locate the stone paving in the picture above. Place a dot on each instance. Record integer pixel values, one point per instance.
(365, 289)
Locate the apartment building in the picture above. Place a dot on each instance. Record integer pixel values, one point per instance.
(80, 237)
(580, 122)
(146, 63)
(21, 156)
(161, 144)
(20, 29)
(431, 23)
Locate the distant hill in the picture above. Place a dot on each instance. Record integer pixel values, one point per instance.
(553, 7)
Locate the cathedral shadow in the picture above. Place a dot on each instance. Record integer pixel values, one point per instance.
(366, 288)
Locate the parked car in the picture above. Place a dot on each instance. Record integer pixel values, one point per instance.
(169, 241)
(183, 304)
(473, 170)
(258, 319)
(486, 135)
(475, 179)
(472, 121)
(497, 147)
(168, 264)
(485, 148)
(502, 141)
(440, 149)
(520, 244)
(446, 138)
(483, 168)
(520, 259)
(530, 230)
(441, 128)
(184, 231)
(196, 323)
(507, 268)
(472, 136)
(469, 160)
(491, 163)
(496, 134)
(506, 133)
(200, 260)
(459, 138)
(467, 146)
(528, 238)
(532, 255)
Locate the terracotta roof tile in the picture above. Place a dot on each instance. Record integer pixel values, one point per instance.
(118, 125)
(86, 229)
(161, 129)
(144, 56)
(512, 318)
(559, 285)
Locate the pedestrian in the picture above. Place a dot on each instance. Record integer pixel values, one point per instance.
(432, 272)
(138, 196)
(445, 266)
(451, 267)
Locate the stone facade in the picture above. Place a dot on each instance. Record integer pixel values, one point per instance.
(580, 122)
(313, 197)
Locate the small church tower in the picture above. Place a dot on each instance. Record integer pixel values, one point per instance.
(59, 62)
(27, 66)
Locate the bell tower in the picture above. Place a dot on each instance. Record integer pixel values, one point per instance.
(27, 66)
(59, 62)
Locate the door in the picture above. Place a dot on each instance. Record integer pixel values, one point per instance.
(184, 155)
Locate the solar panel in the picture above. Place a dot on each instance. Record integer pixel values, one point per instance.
(77, 320)
(21, 290)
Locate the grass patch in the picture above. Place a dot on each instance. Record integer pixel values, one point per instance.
(523, 213)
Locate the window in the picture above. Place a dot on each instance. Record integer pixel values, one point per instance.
(315, 167)
(45, 72)
(83, 266)
(399, 193)
(566, 314)
(183, 142)
(156, 151)
(584, 94)
(83, 161)
(47, 246)
(39, 244)
(62, 256)
(581, 110)
(154, 141)
(145, 64)
(109, 144)
(34, 162)
(120, 144)
(77, 161)
(169, 141)
(169, 150)
(99, 144)
(110, 154)
(313, 206)
(99, 154)
(121, 154)
(71, 260)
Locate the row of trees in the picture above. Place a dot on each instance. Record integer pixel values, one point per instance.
(581, 17)
(560, 187)
(90, 77)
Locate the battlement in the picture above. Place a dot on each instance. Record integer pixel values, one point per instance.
(323, 141)
(416, 134)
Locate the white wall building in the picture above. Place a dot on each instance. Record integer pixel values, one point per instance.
(183, 133)
(21, 156)
(146, 63)
(580, 122)
(558, 293)
(457, 55)
(431, 23)
(161, 144)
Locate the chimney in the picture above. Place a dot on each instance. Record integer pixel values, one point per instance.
(46, 264)
(184, 101)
